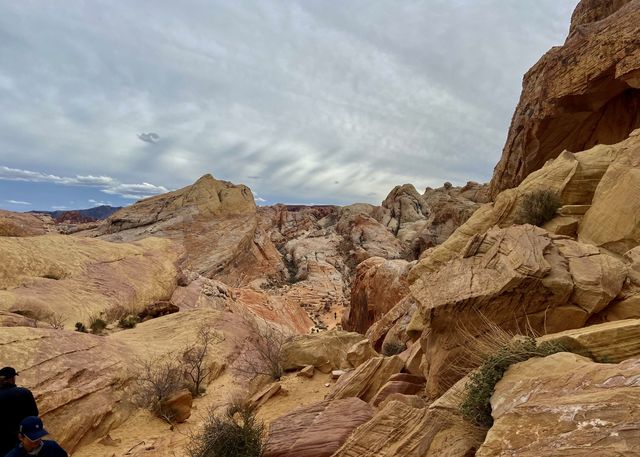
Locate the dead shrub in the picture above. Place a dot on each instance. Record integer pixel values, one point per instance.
(263, 352)
(194, 358)
(393, 348)
(537, 207)
(157, 379)
(236, 433)
(55, 320)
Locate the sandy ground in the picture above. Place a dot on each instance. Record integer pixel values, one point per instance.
(145, 435)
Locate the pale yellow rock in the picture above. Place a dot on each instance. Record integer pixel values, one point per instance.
(365, 381)
(360, 352)
(565, 404)
(518, 277)
(325, 351)
(612, 221)
(612, 342)
(81, 277)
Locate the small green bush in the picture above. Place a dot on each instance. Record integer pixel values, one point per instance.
(129, 321)
(537, 207)
(476, 403)
(237, 433)
(97, 325)
(392, 348)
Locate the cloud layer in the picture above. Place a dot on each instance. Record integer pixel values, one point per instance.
(304, 101)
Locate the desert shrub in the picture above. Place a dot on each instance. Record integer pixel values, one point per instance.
(97, 324)
(392, 348)
(55, 320)
(129, 321)
(194, 359)
(80, 327)
(537, 207)
(476, 402)
(115, 313)
(263, 351)
(236, 433)
(157, 379)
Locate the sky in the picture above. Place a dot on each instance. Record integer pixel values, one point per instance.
(304, 101)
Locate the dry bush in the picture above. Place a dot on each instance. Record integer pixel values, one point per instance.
(55, 320)
(263, 351)
(393, 348)
(115, 313)
(97, 324)
(236, 433)
(157, 379)
(194, 358)
(537, 207)
(489, 354)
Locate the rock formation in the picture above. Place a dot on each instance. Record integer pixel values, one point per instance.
(25, 224)
(583, 93)
(80, 278)
(565, 404)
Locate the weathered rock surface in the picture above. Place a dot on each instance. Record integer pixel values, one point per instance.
(25, 224)
(612, 221)
(360, 352)
(326, 351)
(566, 404)
(584, 93)
(611, 342)
(317, 430)
(177, 406)
(378, 285)
(573, 177)
(78, 278)
(366, 380)
(399, 429)
(517, 277)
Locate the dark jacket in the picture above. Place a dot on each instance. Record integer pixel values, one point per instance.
(16, 403)
(49, 449)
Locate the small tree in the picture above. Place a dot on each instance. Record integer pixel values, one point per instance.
(56, 320)
(263, 352)
(236, 433)
(157, 379)
(194, 358)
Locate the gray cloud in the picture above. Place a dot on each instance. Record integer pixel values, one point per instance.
(149, 137)
(107, 184)
(302, 93)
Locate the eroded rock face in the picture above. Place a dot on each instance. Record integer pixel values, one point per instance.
(25, 224)
(584, 93)
(365, 381)
(378, 285)
(316, 430)
(77, 278)
(517, 277)
(565, 404)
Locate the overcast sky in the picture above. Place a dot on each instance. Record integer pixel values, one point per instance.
(309, 101)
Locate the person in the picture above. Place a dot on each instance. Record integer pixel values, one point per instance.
(30, 433)
(16, 403)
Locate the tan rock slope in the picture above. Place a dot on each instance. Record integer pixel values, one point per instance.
(78, 277)
(583, 93)
(25, 224)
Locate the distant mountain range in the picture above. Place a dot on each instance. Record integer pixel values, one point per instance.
(82, 215)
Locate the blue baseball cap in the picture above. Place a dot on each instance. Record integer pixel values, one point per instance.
(32, 428)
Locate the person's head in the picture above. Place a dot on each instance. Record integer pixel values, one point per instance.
(31, 432)
(8, 375)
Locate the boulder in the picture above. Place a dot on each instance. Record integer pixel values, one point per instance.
(177, 406)
(517, 278)
(366, 380)
(360, 352)
(378, 285)
(583, 93)
(306, 372)
(326, 351)
(611, 342)
(400, 428)
(565, 403)
(611, 221)
(316, 430)
(401, 383)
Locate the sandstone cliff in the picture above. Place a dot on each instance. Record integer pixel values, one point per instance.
(583, 93)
